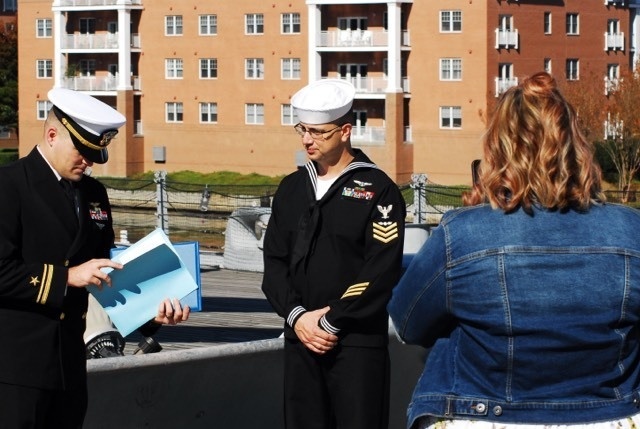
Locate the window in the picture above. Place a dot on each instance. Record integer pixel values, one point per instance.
(44, 69)
(254, 23)
(254, 68)
(288, 115)
(451, 117)
(208, 68)
(573, 69)
(254, 114)
(173, 68)
(547, 65)
(42, 109)
(450, 21)
(450, 69)
(43, 28)
(547, 23)
(87, 68)
(291, 68)
(613, 71)
(290, 23)
(87, 26)
(613, 26)
(208, 25)
(208, 113)
(173, 112)
(173, 25)
(573, 26)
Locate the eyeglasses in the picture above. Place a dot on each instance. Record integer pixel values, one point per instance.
(315, 134)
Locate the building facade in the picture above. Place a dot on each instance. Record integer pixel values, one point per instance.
(206, 86)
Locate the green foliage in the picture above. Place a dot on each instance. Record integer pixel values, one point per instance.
(8, 77)
(8, 155)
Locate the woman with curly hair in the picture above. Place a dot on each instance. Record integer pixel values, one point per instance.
(529, 297)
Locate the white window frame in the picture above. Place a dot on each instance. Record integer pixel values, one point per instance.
(573, 24)
(44, 28)
(42, 109)
(173, 25)
(208, 113)
(450, 114)
(290, 68)
(208, 23)
(547, 66)
(547, 23)
(44, 69)
(572, 69)
(450, 69)
(173, 68)
(449, 20)
(288, 115)
(174, 112)
(211, 67)
(290, 23)
(253, 23)
(254, 68)
(254, 114)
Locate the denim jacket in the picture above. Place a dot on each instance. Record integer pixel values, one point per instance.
(530, 318)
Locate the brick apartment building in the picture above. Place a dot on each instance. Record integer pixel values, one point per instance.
(206, 85)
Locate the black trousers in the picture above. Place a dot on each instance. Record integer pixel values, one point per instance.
(347, 388)
(30, 408)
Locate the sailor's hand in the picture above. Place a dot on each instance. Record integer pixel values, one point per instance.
(311, 335)
(90, 273)
(172, 312)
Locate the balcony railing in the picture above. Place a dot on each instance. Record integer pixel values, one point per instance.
(613, 41)
(93, 83)
(374, 85)
(368, 134)
(137, 127)
(506, 38)
(408, 135)
(97, 2)
(502, 84)
(358, 38)
(96, 41)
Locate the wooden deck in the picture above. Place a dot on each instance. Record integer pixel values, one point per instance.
(234, 310)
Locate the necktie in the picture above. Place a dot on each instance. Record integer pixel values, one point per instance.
(70, 192)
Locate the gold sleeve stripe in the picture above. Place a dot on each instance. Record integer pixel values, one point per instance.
(385, 233)
(45, 285)
(355, 290)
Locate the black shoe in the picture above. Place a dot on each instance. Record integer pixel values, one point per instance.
(147, 345)
(108, 344)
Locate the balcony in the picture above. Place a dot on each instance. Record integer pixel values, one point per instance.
(358, 39)
(613, 41)
(96, 41)
(373, 85)
(504, 83)
(371, 135)
(73, 3)
(506, 39)
(93, 83)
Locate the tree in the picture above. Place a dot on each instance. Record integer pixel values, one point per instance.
(9, 76)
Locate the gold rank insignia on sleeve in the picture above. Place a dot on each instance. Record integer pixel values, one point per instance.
(355, 290)
(385, 231)
(45, 284)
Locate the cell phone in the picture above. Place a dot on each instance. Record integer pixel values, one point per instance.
(475, 171)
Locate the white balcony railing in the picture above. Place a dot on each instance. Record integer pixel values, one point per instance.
(506, 38)
(137, 127)
(613, 41)
(93, 83)
(373, 85)
(368, 134)
(64, 3)
(613, 129)
(96, 41)
(502, 84)
(408, 135)
(358, 38)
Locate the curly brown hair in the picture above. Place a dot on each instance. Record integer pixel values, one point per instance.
(534, 153)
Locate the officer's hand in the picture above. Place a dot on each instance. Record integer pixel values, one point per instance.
(90, 273)
(312, 336)
(172, 314)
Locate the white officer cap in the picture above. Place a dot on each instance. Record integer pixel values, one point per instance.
(323, 101)
(90, 122)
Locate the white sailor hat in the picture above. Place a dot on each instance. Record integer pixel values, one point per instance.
(323, 101)
(90, 122)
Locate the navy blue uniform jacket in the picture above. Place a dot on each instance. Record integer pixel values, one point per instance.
(41, 320)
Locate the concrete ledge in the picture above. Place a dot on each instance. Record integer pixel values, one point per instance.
(232, 386)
